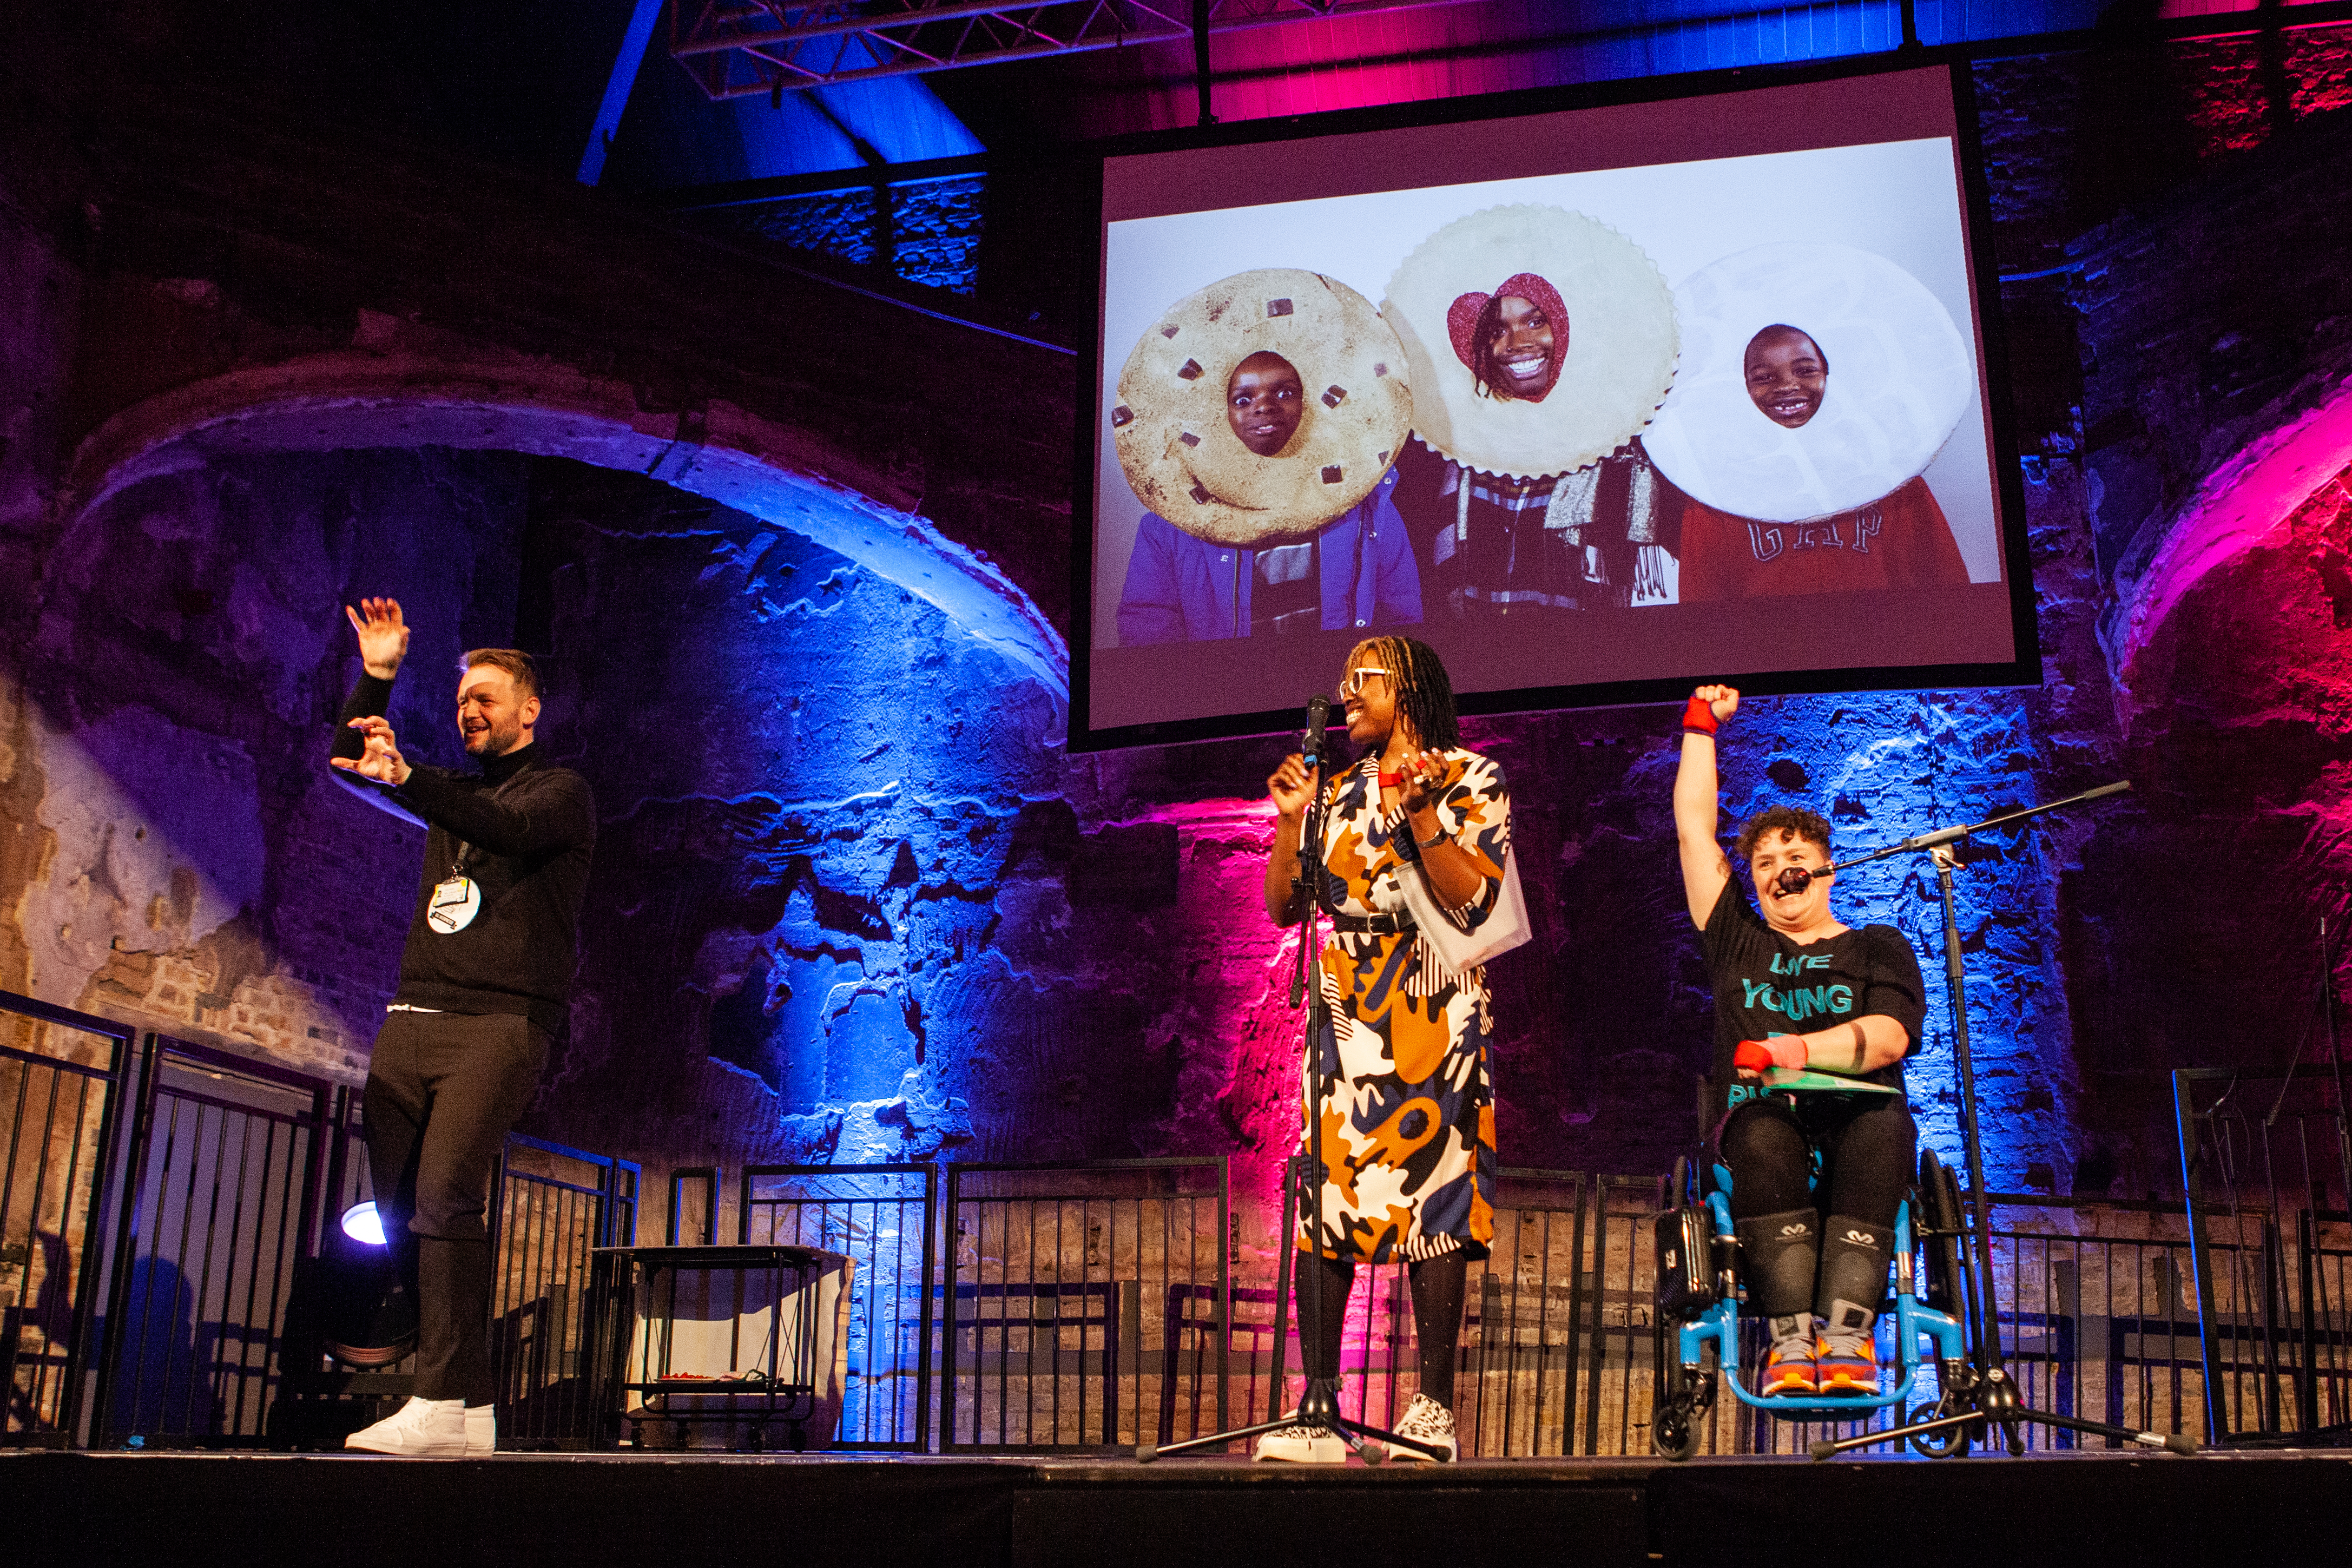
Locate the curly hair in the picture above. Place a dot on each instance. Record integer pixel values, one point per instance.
(1808, 826)
(1424, 693)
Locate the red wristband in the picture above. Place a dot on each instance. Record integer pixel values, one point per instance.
(1698, 714)
(1780, 1051)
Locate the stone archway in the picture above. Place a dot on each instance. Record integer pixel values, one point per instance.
(2198, 903)
(392, 392)
(2250, 503)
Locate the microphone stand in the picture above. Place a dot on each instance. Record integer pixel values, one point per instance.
(1983, 1396)
(1318, 1403)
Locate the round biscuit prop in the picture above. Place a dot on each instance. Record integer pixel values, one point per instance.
(1900, 376)
(1182, 455)
(1619, 357)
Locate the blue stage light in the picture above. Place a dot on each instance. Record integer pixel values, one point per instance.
(364, 1224)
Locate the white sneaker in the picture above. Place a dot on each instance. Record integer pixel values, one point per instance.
(1298, 1445)
(481, 1430)
(1426, 1421)
(431, 1428)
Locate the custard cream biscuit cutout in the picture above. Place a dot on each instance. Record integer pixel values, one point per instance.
(1899, 377)
(1619, 355)
(1180, 452)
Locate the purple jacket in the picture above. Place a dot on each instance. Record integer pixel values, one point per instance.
(1181, 588)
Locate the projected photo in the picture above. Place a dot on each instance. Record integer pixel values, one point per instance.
(1817, 383)
(1258, 420)
(1544, 340)
(1625, 423)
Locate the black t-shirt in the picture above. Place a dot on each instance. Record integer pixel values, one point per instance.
(1765, 984)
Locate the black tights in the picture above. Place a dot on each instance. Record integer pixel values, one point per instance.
(1867, 1157)
(1823, 1247)
(1437, 1284)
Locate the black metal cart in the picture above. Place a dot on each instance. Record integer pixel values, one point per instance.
(687, 1336)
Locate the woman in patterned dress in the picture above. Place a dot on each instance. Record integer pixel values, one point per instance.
(1407, 1142)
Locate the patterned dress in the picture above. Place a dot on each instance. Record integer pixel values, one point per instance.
(1408, 1134)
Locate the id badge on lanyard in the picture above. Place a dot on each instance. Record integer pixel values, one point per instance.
(454, 903)
(457, 898)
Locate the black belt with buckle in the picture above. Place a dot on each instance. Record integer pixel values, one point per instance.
(1374, 925)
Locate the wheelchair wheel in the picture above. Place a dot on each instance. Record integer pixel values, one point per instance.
(1951, 1443)
(1672, 1433)
(1939, 1199)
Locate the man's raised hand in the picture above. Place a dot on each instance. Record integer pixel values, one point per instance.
(381, 759)
(384, 636)
(1723, 701)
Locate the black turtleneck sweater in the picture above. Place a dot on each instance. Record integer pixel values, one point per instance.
(531, 828)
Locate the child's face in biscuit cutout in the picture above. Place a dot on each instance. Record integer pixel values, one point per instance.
(1786, 374)
(1263, 400)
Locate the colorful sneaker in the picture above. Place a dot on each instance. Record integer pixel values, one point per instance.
(1300, 1444)
(1425, 1421)
(431, 1429)
(1788, 1364)
(1847, 1364)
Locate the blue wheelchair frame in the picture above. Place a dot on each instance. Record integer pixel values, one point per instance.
(1720, 1323)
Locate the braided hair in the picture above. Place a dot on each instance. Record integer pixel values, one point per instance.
(1424, 693)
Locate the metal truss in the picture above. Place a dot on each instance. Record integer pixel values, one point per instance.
(747, 48)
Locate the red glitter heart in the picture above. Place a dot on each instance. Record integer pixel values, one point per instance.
(1461, 325)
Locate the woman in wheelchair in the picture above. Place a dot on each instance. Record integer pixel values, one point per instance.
(1797, 988)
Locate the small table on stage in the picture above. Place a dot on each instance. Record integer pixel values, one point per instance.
(748, 1336)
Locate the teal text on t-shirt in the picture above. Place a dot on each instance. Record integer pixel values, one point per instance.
(1797, 1003)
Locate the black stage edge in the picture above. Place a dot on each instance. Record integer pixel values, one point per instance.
(353, 1511)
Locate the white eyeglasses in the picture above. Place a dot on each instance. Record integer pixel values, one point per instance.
(1354, 683)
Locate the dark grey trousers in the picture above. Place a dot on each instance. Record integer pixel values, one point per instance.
(443, 1089)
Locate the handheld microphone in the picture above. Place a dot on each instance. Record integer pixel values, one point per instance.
(1318, 720)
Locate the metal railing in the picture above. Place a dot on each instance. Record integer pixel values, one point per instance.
(2090, 1299)
(226, 1160)
(1532, 1323)
(2265, 1162)
(1067, 1306)
(1048, 1269)
(551, 1206)
(1559, 1339)
(1620, 1284)
(61, 1077)
(2097, 1320)
(885, 1218)
(228, 1172)
(1524, 1336)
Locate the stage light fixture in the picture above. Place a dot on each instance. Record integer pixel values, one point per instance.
(364, 1224)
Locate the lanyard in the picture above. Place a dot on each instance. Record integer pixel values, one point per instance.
(463, 861)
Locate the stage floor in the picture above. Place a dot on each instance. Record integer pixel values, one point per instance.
(907, 1511)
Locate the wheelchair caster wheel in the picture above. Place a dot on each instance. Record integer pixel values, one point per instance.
(1671, 1433)
(1951, 1443)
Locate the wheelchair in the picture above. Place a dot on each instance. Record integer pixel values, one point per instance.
(1699, 1295)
